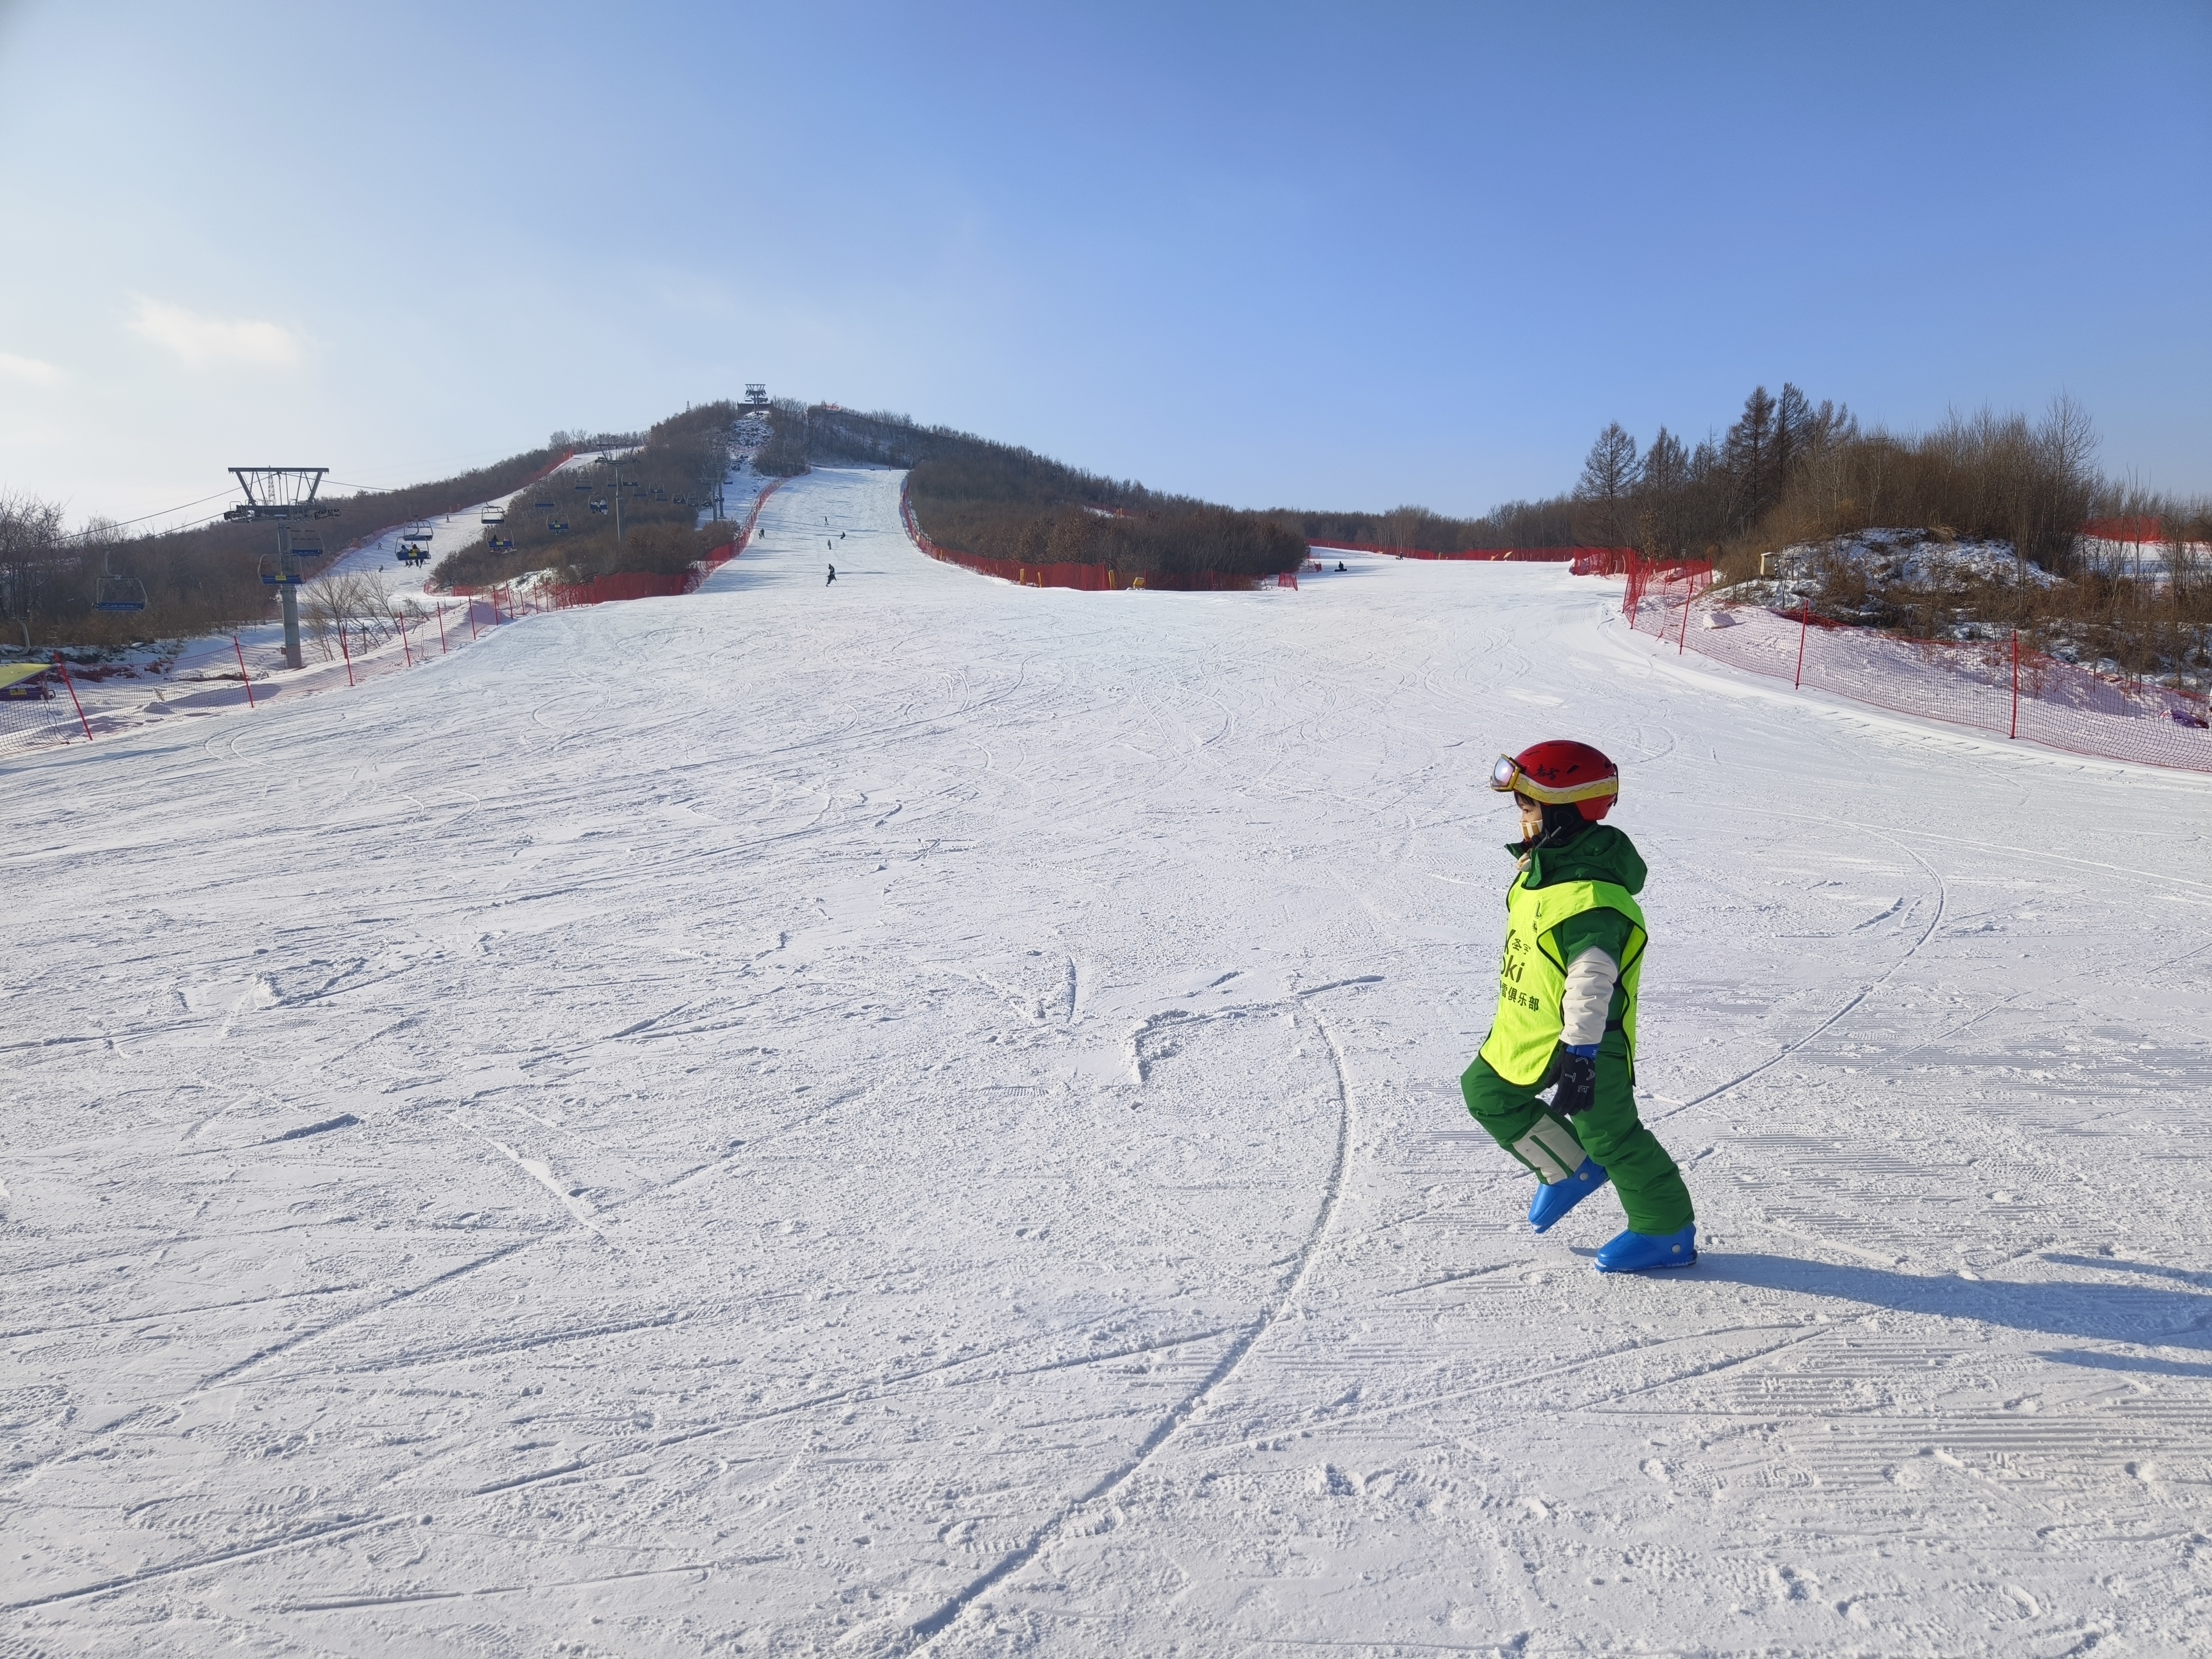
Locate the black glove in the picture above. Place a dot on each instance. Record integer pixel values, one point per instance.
(1577, 1078)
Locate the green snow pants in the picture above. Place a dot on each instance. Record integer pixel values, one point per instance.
(1650, 1187)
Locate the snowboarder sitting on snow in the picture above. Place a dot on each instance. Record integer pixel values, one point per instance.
(1566, 1013)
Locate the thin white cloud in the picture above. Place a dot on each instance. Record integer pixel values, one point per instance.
(13, 368)
(198, 340)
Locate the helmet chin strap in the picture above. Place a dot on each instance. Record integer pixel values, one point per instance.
(1561, 825)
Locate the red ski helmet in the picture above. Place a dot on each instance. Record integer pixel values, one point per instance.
(1559, 772)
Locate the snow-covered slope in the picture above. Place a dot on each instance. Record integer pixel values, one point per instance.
(922, 1115)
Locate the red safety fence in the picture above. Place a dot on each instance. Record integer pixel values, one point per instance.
(1087, 578)
(2000, 686)
(40, 708)
(1472, 555)
(202, 680)
(619, 584)
(1604, 560)
(1693, 575)
(2138, 529)
(616, 586)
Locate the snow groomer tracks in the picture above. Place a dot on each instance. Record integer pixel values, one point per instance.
(923, 1114)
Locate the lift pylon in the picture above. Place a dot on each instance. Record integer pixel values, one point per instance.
(285, 494)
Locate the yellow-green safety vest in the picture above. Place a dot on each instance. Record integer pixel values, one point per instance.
(1532, 982)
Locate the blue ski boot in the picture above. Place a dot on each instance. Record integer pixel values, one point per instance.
(1555, 1199)
(1637, 1253)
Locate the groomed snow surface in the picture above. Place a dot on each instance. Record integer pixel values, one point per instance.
(922, 1115)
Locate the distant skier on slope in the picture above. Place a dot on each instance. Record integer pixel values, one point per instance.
(833, 577)
(1566, 1013)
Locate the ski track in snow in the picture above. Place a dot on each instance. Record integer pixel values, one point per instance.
(923, 1115)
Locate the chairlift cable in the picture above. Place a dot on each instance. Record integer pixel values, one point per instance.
(448, 459)
(194, 524)
(118, 524)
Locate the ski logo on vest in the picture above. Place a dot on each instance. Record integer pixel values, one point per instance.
(1510, 971)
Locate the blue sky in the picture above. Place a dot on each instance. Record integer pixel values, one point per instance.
(1323, 256)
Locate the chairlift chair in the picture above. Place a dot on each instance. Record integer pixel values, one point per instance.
(117, 592)
(494, 515)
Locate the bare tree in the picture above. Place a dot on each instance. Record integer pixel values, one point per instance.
(30, 553)
(1661, 491)
(1608, 480)
(360, 603)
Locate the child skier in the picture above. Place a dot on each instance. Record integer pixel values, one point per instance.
(1566, 1013)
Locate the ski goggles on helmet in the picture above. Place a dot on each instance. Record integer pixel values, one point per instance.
(1508, 774)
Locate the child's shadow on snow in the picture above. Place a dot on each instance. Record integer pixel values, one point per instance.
(2112, 1310)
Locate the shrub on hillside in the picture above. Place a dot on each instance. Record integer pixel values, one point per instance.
(1000, 502)
(784, 454)
(1517, 523)
(1187, 542)
(652, 497)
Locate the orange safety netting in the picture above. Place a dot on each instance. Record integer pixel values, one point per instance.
(1475, 555)
(1997, 685)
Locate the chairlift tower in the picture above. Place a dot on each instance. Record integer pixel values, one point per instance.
(286, 496)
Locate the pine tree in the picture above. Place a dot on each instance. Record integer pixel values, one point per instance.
(1793, 422)
(1749, 451)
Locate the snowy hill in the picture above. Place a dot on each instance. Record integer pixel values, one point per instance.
(920, 1114)
(1861, 578)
